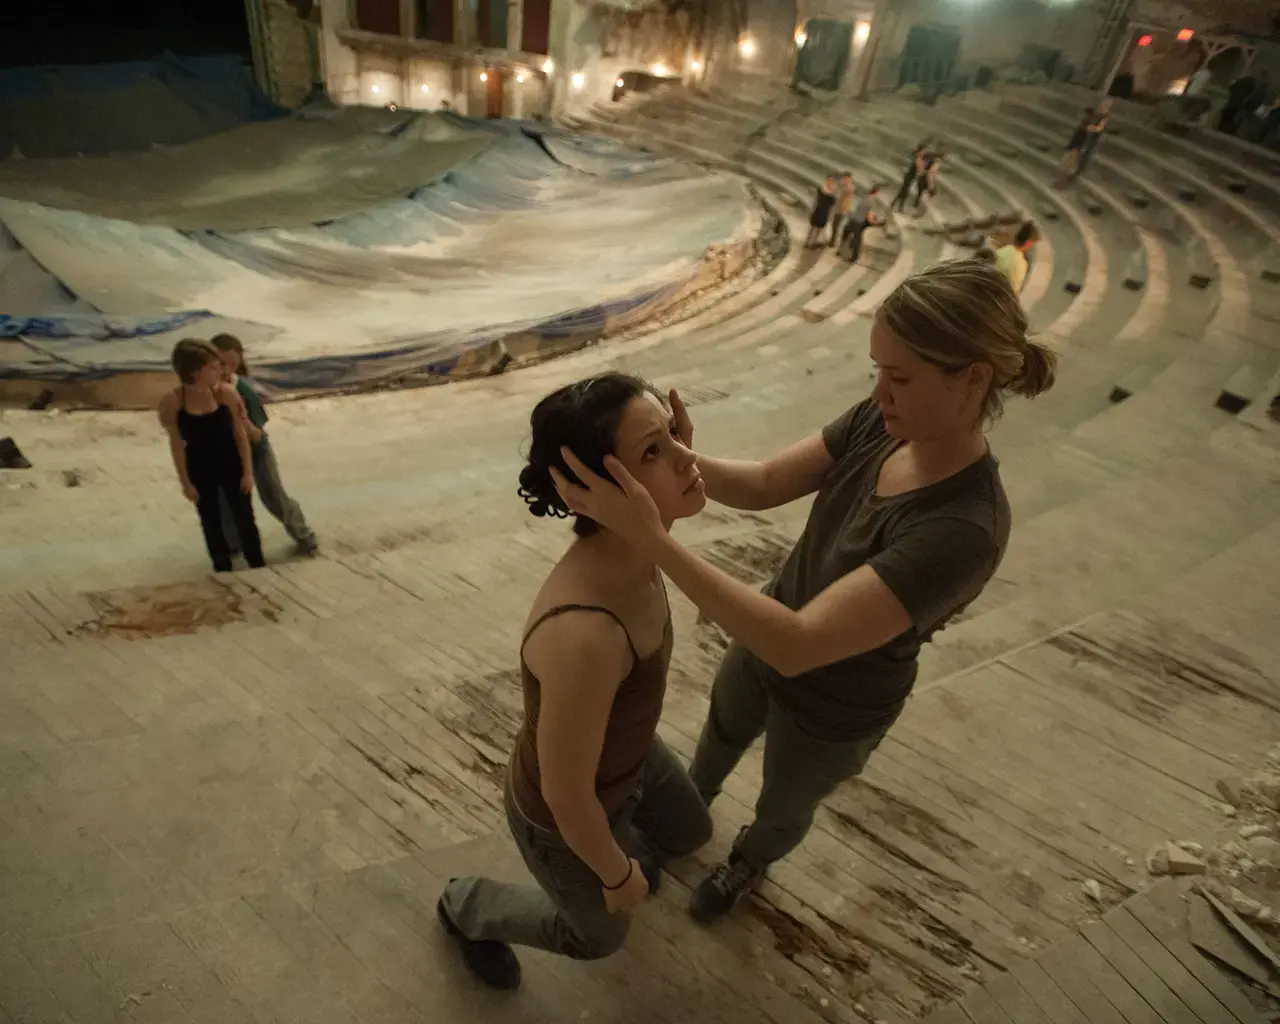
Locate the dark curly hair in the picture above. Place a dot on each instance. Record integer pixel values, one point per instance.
(582, 417)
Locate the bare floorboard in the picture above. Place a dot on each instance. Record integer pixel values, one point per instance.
(252, 820)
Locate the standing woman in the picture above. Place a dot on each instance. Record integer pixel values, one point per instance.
(914, 172)
(266, 472)
(909, 524)
(205, 421)
(594, 799)
(824, 202)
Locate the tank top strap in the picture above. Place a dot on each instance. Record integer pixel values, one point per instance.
(560, 609)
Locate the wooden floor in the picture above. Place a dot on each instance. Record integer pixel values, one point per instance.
(1135, 966)
(237, 800)
(251, 818)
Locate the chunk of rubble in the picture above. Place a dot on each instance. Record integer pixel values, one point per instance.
(1093, 889)
(1232, 790)
(1263, 850)
(1183, 862)
(10, 455)
(1262, 789)
(1242, 903)
(1250, 831)
(1158, 859)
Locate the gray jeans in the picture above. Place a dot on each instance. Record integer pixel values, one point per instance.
(799, 769)
(565, 912)
(266, 477)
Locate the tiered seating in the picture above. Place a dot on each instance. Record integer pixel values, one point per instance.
(249, 793)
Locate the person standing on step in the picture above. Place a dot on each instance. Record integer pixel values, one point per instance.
(205, 421)
(927, 183)
(1084, 140)
(594, 798)
(824, 202)
(1014, 259)
(915, 170)
(266, 471)
(863, 217)
(909, 524)
(844, 206)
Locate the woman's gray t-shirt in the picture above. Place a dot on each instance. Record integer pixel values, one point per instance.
(935, 548)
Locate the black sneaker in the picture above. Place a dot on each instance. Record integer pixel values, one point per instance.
(492, 962)
(719, 892)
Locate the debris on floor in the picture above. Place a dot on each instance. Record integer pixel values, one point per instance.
(1242, 869)
(10, 456)
(171, 610)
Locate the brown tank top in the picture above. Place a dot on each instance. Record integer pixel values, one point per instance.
(633, 720)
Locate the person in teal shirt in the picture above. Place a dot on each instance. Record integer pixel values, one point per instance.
(266, 472)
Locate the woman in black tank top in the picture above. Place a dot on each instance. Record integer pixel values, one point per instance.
(205, 422)
(594, 799)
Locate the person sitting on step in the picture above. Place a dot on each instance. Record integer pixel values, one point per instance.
(1014, 258)
(594, 798)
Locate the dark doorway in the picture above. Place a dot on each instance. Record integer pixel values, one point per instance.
(382, 16)
(493, 92)
(435, 20)
(824, 57)
(929, 57)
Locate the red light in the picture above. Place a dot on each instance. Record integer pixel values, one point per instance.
(1144, 40)
(1185, 35)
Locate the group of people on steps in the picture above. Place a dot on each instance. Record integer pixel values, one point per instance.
(216, 422)
(848, 213)
(909, 522)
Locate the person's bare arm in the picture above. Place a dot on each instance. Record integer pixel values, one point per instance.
(579, 658)
(228, 396)
(255, 432)
(755, 486)
(167, 412)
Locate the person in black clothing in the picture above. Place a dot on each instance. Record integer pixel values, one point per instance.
(915, 170)
(206, 423)
(927, 181)
(1239, 93)
(823, 204)
(1085, 139)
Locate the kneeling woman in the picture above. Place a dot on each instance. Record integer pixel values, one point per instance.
(594, 799)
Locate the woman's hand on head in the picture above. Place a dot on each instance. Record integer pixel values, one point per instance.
(624, 506)
(684, 425)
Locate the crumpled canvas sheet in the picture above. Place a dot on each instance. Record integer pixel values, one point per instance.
(289, 173)
(514, 238)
